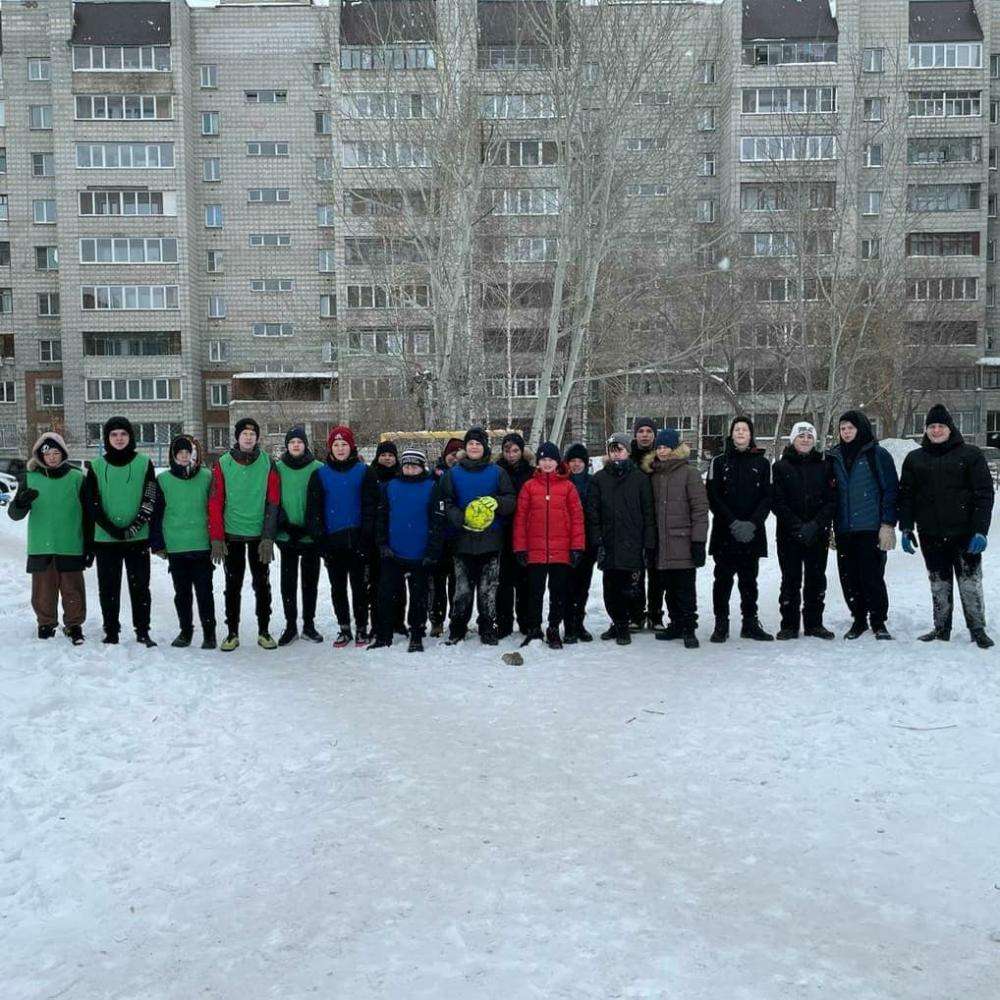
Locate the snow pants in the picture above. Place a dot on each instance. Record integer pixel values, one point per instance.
(191, 575)
(861, 566)
(578, 591)
(743, 568)
(394, 579)
(475, 576)
(241, 551)
(133, 557)
(620, 588)
(557, 576)
(947, 560)
(803, 581)
(512, 593)
(294, 558)
(48, 585)
(677, 586)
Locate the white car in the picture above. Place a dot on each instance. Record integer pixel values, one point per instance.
(8, 487)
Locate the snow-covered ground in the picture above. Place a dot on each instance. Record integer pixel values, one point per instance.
(746, 822)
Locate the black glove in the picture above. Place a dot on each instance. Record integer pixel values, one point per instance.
(698, 554)
(807, 532)
(522, 559)
(26, 497)
(650, 555)
(385, 552)
(575, 556)
(743, 531)
(601, 557)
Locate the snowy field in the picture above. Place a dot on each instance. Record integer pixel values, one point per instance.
(746, 822)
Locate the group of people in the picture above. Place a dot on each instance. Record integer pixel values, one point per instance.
(406, 545)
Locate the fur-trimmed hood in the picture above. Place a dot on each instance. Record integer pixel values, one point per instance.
(680, 454)
(644, 460)
(35, 463)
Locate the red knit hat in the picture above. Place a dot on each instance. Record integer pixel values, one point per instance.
(454, 444)
(340, 431)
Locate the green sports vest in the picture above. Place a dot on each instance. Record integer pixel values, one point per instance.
(119, 489)
(246, 495)
(185, 512)
(294, 486)
(55, 522)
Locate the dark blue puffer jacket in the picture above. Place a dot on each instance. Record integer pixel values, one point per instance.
(866, 496)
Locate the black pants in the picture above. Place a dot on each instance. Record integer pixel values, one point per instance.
(394, 578)
(475, 576)
(344, 565)
(240, 552)
(578, 591)
(557, 575)
(620, 586)
(191, 573)
(861, 565)
(292, 557)
(648, 599)
(803, 581)
(677, 585)
(111, 558)
(947, 560)
(374, 592)
(742, 567)
(442, 589)
(512, 593)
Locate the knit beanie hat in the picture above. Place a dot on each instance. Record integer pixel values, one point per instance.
(118, 424)
(341, 431)
(549, 449)
(641, 422)
(244, 424)
(512, 438)
(387, 448)
(578, 450)
(297, 432)
(669, 437)
(802, 427)
(478, 434)
(620, 438)
(452, 445)
(413, 457)
(938, 414)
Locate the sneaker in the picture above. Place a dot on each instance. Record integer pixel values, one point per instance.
(416, 644)
(721, 632)
(752, 629)
(46, 631)
(208, 637)
(265, 641)
(437, 630)
(819, 632)
(941, 634)
(75, 635)
(979, 637)
(309, 632)
(230, 642)
(611, 633)
(691, 640)
(143, 637)
(488, 637)
(183, 639)
(110, 639)
(362, 638)
(623, 636)
(672, 631)
(583, 635)
(787, 633)
(289, 636)
(343, 639)
(857, 630)
(379, 644)
(552, 639)
(881, 632)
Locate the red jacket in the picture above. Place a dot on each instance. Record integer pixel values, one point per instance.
(548, 522)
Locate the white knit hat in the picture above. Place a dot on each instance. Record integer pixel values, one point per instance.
(802, 427)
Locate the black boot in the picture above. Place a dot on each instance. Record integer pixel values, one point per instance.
(380, 643)
(456, 636)
(818, 632)
(309, 632)
(183, 638)
(46, 631)
(530, 636)
(624, 636)
(941, 634)
(752, 629)
(488, 636)
(980, 638)
(583, 635)
(110, 639)
(857, 630)
(143, 637)
(690, 639)
(672, 631)
(416, 643)
(289, 636)
(610, 634)
(437, 630)
(569, 636)
(75, 635)
(552, 639)
(881, 632)
(787, 632)
(721, 633)
(208, 637)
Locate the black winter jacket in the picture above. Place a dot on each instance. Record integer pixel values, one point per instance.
(620, 515)
(739, 489)
(803, 489)
(946, 489)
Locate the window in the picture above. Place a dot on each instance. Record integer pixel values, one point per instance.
(208, 76)
(525, 201)
(946, 55)
(213, 216)
(6, 301)
(639, 189)
(873, 60)
(49, 393)
(873, 154)
(942, 244)
(706, 120)
(324, 168)
(943, 290)
(995, 66)
(135, 203)
(43, 165)
(704, 210)
(211, 169)
(50, 351)
(46, 258)
(994, 112)
(143, 298)
(322, 74)
(8, 392)
(40, 117)
(504, 57)
(927, 151)
(993, 157)
(774, 289)
(523, 152)
(388, 296)
(266, 96)
(773, 148)
(767, 244)
(757, 197)
(371, 388)
(218, 437)
(39, 69)
(778, 53)
(785, 100)
(215, 261)
(328, 306)
(122, 58)
(124, 155)
(268, 149)
(871, 202)
(132, 389)
(367, 153)
(991, 205)
(3, 208)
(528, 249)
(210, 122)
(942, 197)
(323, 123)
(3, 113)
(131, 345)
(124, 107)
(944, 104)
(270, 239)
(216, 307)
(4, 253)
(870, 248)
(707, 166)
(637, 144)
(874, 109)
(271, 329)
(706, 72)
(218, 350)
(527, 106)
(325, 215)
(384, 57)
(43, 211)
(325, 261)
(48, 304)
(3, 159)
(272, 285)
(991, 251)
(268, 196)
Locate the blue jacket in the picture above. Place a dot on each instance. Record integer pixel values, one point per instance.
(341, 502)
(409, 521)
(865, 500)
(464, 482)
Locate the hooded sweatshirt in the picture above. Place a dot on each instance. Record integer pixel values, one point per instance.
(180, 518)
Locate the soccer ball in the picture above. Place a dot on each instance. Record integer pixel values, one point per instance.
(479, 513)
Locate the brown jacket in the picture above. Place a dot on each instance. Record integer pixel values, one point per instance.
(681, 506)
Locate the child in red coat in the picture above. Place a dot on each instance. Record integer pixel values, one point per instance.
(548, 539)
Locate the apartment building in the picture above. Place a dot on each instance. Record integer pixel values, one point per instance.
(193, 203)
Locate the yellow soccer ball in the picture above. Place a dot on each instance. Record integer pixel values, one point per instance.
(479, 513)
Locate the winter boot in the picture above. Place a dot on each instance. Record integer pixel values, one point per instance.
(690, 639)
(265, 641)
(530, 636)
(583, 635)
(881, 632)
(437, 630)
(183, 639)
(818, 632)
(309, 632)
(75, 635)
(380, 643)
(752, 629)
(552, 639)
(110, 639)
(721, 633)
(611, 633)
(416, 643)
(940, 634)
(787, 632)
(143, 637)
(980, 638)
(344, 637)
(230, 643)
(488, 636)
(46, 631)
(672, 631)
(570, 636)
(289, 636)
(857, 630)
(624, 636)
(208, 637)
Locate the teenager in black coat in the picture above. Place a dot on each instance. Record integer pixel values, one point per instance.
(803, 498)
(739, 496)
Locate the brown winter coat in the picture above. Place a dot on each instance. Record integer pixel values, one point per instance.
(681, 506)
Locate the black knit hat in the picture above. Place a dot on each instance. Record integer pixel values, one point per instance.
(387, 448)
(938, 414)
(644, 422)
(298, 431)
(549, 449)
(478, 434)
(119, 424)
(578, 450)
(512, 438)
(181, 443)
(243, 423)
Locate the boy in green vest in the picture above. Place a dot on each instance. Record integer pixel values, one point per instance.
(60, 534)
(295, 467)
(242, 522)
(179, 534)
(120, 493)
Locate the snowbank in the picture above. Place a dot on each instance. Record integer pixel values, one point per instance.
(899, 448)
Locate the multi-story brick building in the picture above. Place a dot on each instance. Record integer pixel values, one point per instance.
(187, 192)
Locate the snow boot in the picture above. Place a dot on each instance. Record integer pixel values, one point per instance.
(309, 632)
(690, 639)
(721, 633)
(230, 643)
(980, 638)
(208, 637)
(289, 636)
(570, 637)
(940, 634)
(552, 639)
(611, 633)
(752, 629)
(75, 635)
(437, 630)
(530, 636)
(787, 633)
(380, 643)
(46, 631)
(143, 637)
(183, 639)
(488, 636)
(110, 639)
(265, 641)
(881, 632)
(583, 635)
(624, 636)
(857, 630)
(416, 643)
(672, 631)
(818, 632)
(344, 638)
